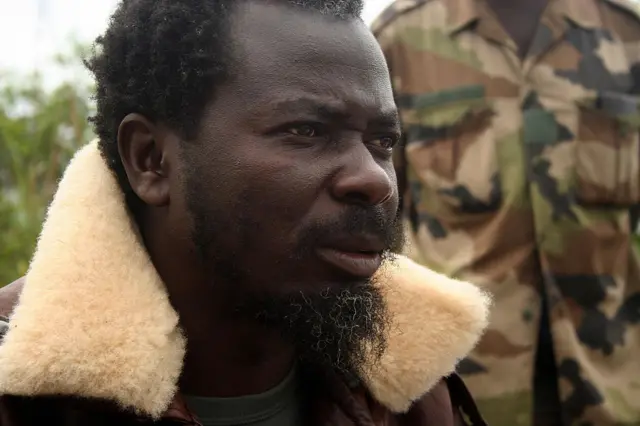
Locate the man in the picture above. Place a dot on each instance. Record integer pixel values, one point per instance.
(222, 255)
(520, 171)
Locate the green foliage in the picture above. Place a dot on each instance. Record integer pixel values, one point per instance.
(40, 130)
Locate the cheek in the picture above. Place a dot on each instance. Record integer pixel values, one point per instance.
(393, 177)
(283, 192)
(182, 193)
(271, 185)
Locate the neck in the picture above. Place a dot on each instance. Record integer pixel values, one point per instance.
(227, 360)
(225, 356)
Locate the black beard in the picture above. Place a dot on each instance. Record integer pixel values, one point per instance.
(341, 325)
(341, 329)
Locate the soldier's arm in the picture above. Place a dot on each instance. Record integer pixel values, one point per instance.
(384, 36)
(383, 29)
(626, 20)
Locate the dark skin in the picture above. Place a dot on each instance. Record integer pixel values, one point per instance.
(520, 19)
(300, 135)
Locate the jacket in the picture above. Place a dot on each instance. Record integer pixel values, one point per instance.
(93, 339)
(523, 176)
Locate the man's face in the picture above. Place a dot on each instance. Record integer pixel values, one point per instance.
(290, 186)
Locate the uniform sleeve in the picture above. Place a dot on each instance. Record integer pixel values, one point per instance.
(623, 17)
(384, 35)
(9, 296)
(384, 31)
(465, 411)
(448, 403)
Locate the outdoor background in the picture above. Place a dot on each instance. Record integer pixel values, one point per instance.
(45, 99)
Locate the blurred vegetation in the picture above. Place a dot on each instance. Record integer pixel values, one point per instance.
(40, 129)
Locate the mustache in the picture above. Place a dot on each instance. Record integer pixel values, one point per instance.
(356, 221)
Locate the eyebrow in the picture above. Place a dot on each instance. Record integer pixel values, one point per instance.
(329, 112)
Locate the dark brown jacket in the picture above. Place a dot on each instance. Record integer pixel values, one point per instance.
(92, 338)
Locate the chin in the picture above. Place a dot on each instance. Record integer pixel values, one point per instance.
(328, 285)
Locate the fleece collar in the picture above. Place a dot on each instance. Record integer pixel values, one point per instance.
(94, 319)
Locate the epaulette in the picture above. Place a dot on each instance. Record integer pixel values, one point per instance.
(395, 9)
(629, 6)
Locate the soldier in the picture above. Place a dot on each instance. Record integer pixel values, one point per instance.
(520, 172)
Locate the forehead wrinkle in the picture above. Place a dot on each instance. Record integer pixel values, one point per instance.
(329, 109)
(343, 70)
(306, 104)
(303, 41)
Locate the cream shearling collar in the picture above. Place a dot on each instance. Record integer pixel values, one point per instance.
(94, 319)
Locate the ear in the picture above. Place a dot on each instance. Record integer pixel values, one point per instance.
(143, 152)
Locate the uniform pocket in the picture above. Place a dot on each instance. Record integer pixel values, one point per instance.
(451, 148)
(608, 151)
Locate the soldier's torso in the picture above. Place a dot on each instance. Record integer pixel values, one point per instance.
(521, 174)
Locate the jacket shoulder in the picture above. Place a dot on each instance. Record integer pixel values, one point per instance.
(9, 296)
(462, 401)
(450, 399)
(393, 11)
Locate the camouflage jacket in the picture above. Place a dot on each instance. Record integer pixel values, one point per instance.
(523, 176)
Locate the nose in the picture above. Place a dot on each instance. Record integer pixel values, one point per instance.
(362, 181)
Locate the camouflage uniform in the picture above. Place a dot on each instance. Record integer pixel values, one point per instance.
(523, 176)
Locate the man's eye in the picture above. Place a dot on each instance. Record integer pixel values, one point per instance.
(304, 130)
(386, 142)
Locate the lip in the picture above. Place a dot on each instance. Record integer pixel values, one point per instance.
(354, 243)
(355, 263)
